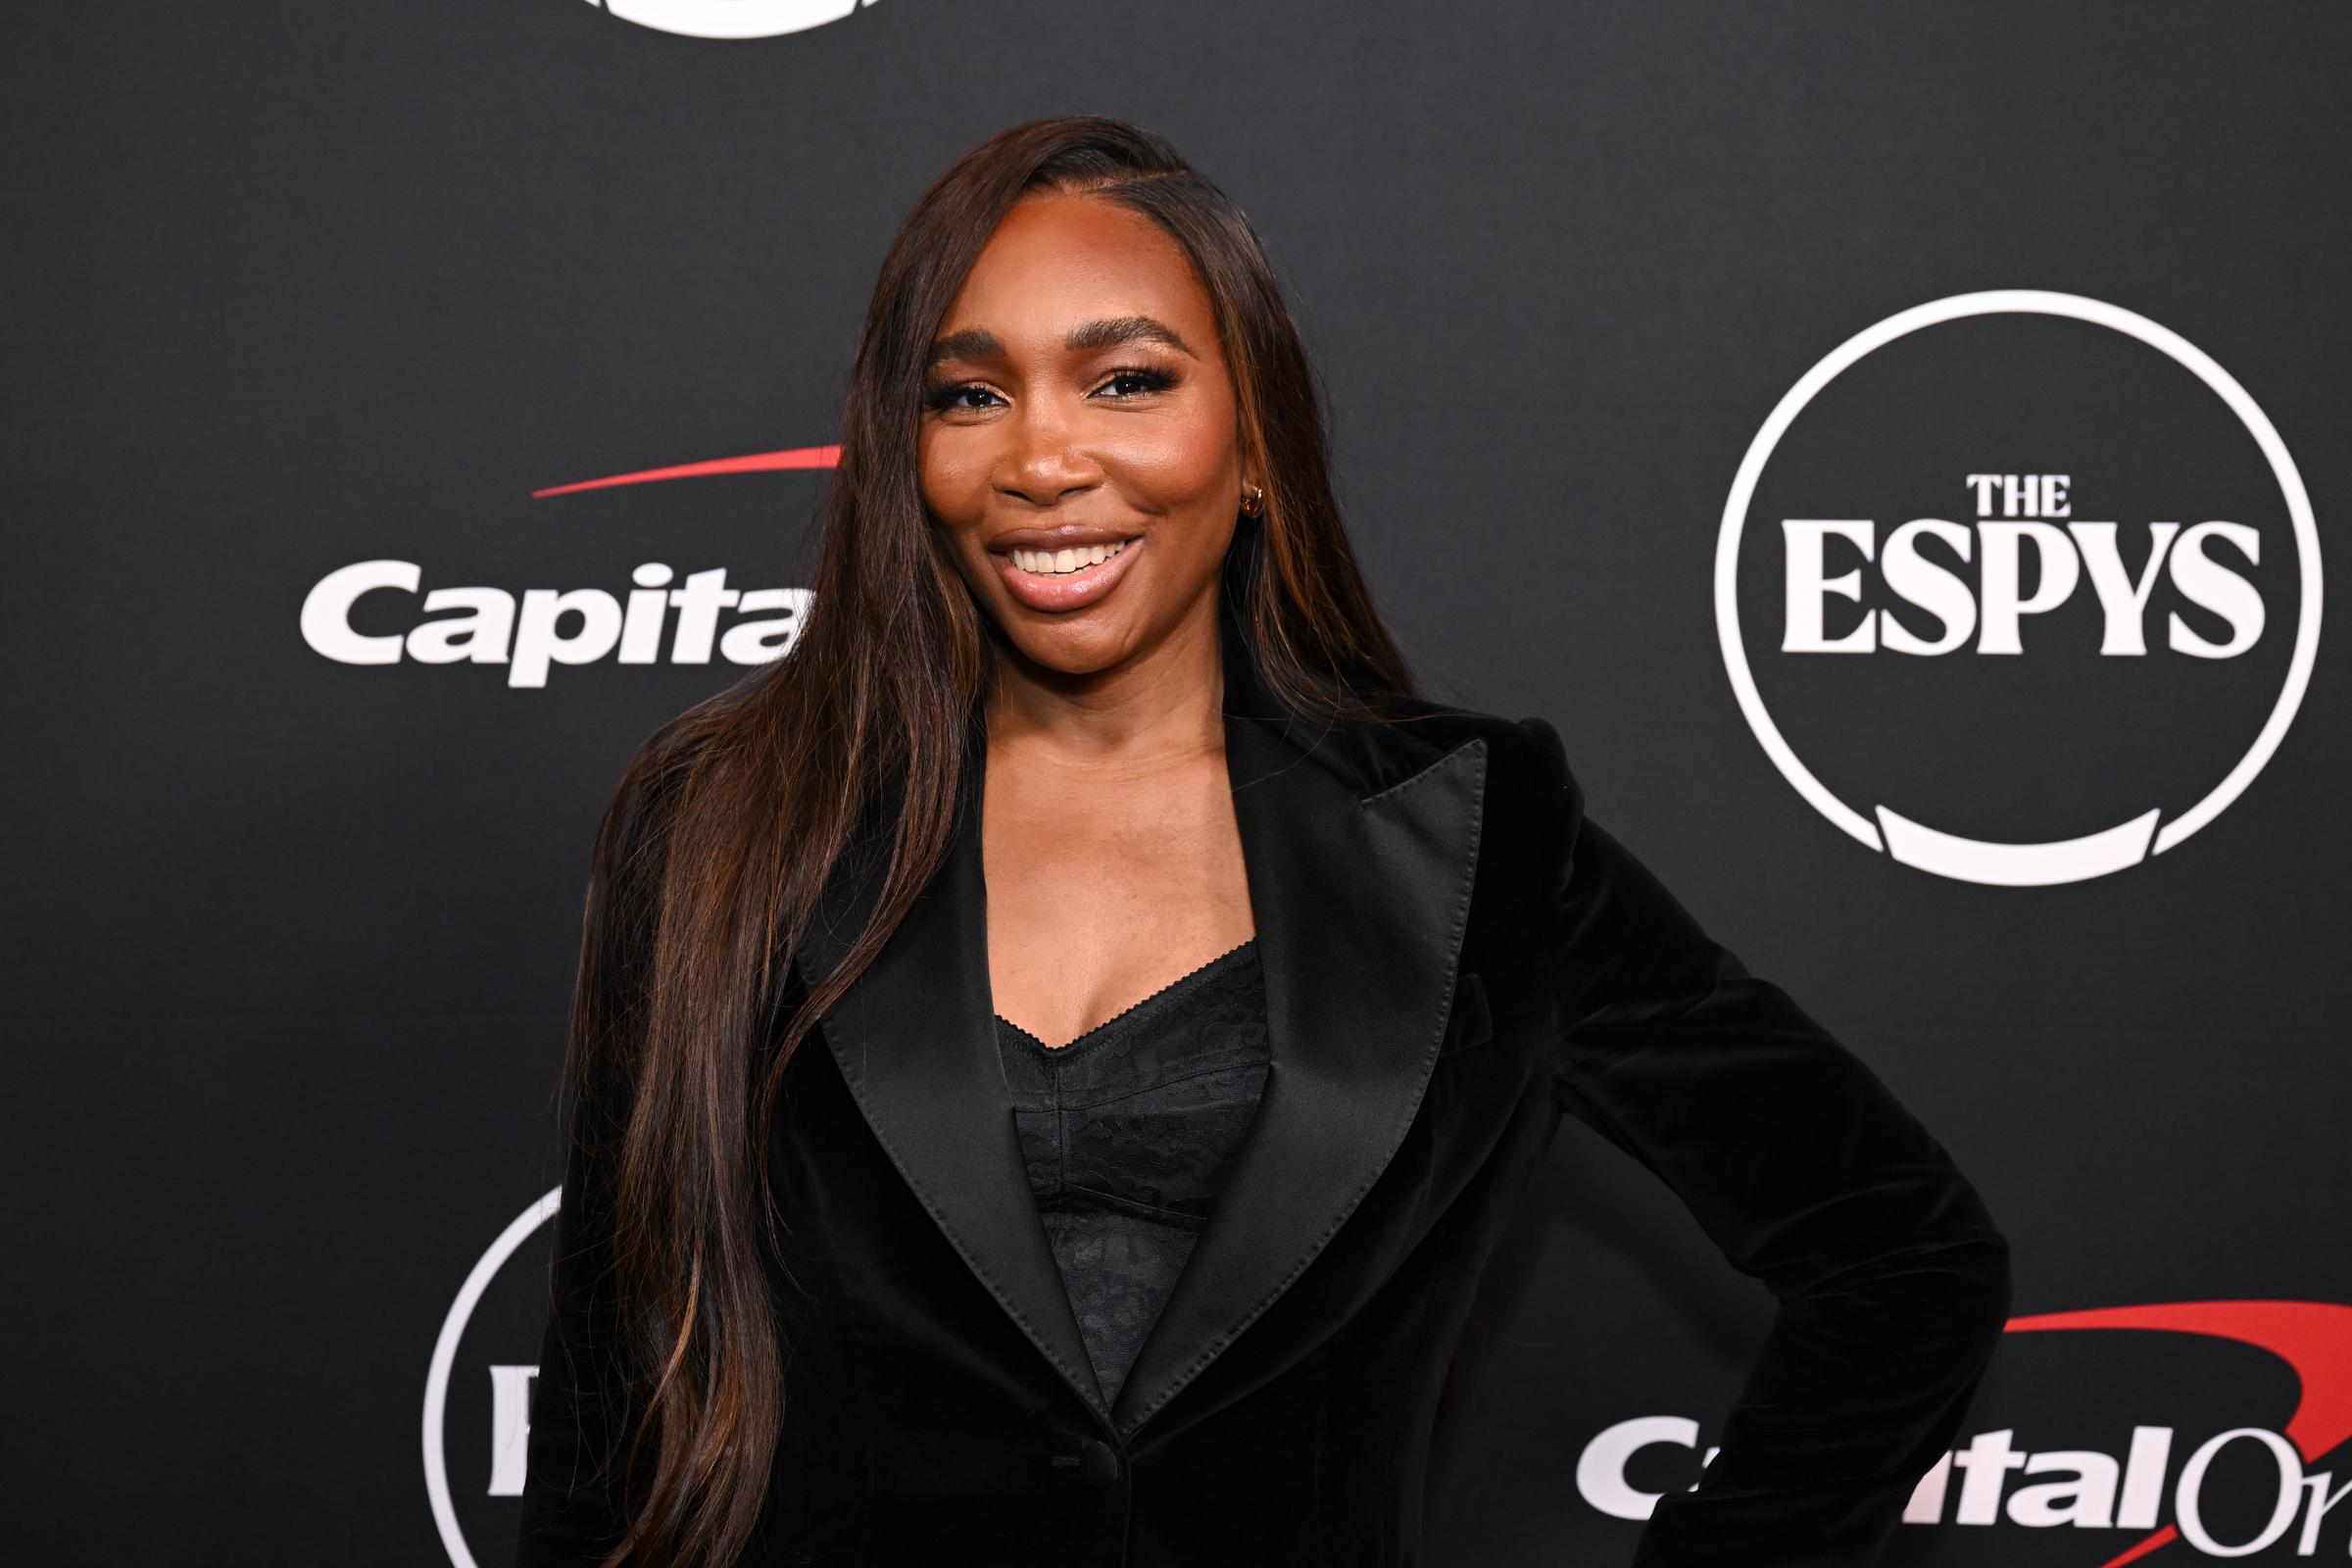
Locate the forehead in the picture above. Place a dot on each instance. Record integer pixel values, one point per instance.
(1056, 260)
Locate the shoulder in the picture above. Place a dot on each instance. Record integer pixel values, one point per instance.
(1522, 754)
(1533, 807)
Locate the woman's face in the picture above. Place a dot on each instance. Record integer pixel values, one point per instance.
(1079, 406)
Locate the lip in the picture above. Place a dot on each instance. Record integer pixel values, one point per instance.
(1073, 590)
(1062, 536)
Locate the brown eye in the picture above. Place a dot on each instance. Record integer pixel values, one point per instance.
(1141, 379)
(950, 396)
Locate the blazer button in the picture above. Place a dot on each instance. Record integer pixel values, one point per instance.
(1099, 1463)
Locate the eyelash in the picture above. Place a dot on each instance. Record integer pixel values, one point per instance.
(943, 397)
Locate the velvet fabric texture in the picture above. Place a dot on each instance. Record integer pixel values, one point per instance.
(1455, 956)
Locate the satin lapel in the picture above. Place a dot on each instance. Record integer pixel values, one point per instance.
(915, 1038)
(1362, 847)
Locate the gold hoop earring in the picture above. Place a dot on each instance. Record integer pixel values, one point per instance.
(1254, 503)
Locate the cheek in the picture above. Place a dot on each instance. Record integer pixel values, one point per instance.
(1179, 461)
(951, 476)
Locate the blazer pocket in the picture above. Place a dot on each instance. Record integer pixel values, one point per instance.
(1471, 1025)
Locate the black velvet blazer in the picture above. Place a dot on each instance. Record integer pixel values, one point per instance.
(1455, 956)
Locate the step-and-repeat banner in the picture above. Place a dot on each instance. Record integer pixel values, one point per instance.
(1898, 450)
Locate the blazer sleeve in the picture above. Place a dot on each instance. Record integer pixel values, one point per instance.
(1891, 1277)
(572, 1498)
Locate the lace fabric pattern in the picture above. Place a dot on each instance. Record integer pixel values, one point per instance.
(1126, 1132)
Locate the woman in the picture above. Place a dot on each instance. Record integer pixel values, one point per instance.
(1053, 1055)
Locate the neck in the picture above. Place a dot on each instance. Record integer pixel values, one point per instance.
(1164, 704)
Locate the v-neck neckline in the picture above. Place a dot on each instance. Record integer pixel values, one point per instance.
(1092, 1033)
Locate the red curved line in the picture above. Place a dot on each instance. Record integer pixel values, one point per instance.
(2162, 1538)
(755, 463)
(2312, 1337)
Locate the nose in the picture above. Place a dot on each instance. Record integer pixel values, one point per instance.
(1043, 459)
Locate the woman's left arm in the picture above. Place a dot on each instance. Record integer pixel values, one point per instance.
(1804, 1169)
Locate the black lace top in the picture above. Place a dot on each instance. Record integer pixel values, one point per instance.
(1127, 1131)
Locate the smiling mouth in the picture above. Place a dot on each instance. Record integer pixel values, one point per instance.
(1062, 563)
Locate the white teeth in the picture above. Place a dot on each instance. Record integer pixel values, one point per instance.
(1054, 562)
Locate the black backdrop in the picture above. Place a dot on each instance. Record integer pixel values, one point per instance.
(294, 287)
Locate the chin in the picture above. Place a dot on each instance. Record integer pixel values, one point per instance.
(1067, 650)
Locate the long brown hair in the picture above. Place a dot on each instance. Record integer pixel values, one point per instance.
(730, 817)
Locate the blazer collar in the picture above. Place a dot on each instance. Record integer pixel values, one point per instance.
(1360, 842)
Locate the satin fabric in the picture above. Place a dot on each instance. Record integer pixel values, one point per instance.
(1455, 956)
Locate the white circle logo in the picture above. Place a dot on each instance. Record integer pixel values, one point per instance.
(730, 19)
(510, 1420)
(2019, 514)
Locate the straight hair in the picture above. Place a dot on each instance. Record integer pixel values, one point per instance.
(729, 819)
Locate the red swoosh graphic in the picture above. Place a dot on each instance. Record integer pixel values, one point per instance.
(753, 463)
(2312, 1337)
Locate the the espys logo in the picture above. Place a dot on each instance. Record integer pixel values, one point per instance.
(2238, 1491)
(1956, 633)
(729, 18)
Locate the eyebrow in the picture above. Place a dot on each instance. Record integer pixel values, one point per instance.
(979, 343)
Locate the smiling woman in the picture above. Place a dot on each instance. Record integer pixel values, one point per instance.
(1196, 999)
(1081, 454)
(1114, 430)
